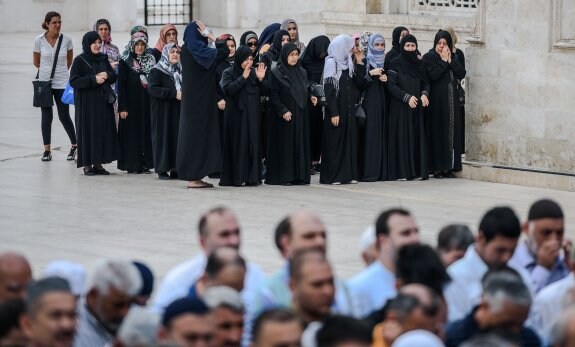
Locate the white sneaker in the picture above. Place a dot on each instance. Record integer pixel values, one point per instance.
(336, 183)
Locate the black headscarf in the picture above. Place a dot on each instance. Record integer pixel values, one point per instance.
(244, 37)
(197, 45)
(267, 35)
(293, 76)
(276, 47)
(442, 34)
(396, 35)
(410, 62)
(241, 55)
(89, 38)
(313, 58)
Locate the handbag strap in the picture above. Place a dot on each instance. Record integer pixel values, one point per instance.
(55, 58)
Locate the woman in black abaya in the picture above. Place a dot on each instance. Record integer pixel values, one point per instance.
(344, 80)
(199, 151)
(134, 106)
(373, 137)
(288, 160)
(313, 61)
(165, 95)
(409, 88)
(91, 76)
(398, 34)
(272, 57)
(444, 115)
(242, 151)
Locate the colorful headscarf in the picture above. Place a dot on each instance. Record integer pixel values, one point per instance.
(375, 57)
(143, 63)
(364, 41)
(338, 59)
(139, 29)
(162, 41)
(172, 70)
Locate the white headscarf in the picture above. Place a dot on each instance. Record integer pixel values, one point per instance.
(418, 338)
(338, 59)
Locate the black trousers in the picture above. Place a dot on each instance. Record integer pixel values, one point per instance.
(63, 114)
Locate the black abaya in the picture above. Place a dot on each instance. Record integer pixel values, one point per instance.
(407, 147)
(443, 116)
(199, 150)
(339, 155)
(165, 113)
(373, 137)
(242, 130)
(95, 120)
(134, 131)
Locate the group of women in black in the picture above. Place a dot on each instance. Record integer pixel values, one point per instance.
(271, 108)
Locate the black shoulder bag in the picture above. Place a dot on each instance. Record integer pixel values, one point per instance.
(43, 89)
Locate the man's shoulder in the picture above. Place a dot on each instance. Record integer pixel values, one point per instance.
(554, 291)
(187, 269)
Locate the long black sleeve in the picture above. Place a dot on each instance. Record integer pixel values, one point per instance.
(277, 106)
(231, 86)
(123, 71)
(158, 89)
(81, 76)
(393, 86)
(331, 99)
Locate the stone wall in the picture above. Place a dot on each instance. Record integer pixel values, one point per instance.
(521, 87)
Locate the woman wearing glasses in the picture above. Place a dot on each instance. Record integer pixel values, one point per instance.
(250, 39)
(168, 34)
(45, 47)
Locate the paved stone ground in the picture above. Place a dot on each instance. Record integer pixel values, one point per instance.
(50, 210)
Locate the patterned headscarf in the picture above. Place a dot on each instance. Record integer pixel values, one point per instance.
(338, 59)
(139, 29)
(162, 40)
(364, 41)
(375, 57)
(143, 63)
(172, 70)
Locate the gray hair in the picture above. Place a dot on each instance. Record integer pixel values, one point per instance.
(223, 296)
(117, 273)
(501, 286)
(139, 328)
(487, 340)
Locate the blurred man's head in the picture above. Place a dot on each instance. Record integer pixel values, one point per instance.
(11, 334)
(426, 313)
(545, 224)
(277, 328)
(312, 284)
(452, 242)
(224, 267)
(301, 230)
(419, 263)
(139, 328)
(50, 318)
(499, 231)
(15, 274)
(394, 229)
(147, 283)
(112, 287)
(219, 227)
(187, 323)
(228, 313)
(342, 331)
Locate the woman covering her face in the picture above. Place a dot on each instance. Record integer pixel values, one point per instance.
(91, 76)
(134, 106)
(409, 88)
(165, 94)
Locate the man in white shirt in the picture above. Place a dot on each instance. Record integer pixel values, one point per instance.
(372, 287)
(539, 254)
(218, 227)
(499, 232)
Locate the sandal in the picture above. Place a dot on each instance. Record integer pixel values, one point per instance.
(72, 154)
(47, 156)
(201, 185)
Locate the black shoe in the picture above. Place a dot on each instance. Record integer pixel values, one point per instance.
(90, 171)
(164, 176)
(146, 171)
(72, 154)
(174, 174)
(101, 171)
(47, 156)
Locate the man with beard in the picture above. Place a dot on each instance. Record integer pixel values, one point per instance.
(228, 313)
(499, 232)
(50, 318)
(111, 291)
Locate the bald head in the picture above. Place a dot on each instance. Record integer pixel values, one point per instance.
(303, 230)
(15, 274)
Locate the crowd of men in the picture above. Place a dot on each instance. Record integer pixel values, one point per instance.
(510, 284)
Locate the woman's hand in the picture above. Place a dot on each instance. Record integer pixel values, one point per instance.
(314, 100)
(445, 53)
(413, 102)
(179, 95)
(100, 79)
(114, 65)
(247, 70)
(335, 121)
(222, 104)
(424, 100)
(383, 78)
(123, 115)
(261, 71)
(287, 116)
(376, 72)
(358, 56)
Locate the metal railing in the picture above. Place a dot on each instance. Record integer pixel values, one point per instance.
(159, 12)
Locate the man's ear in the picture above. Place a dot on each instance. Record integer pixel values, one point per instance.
(480, 238)
(525, 228)
(26, 324)
(91, 297)
(284, 244)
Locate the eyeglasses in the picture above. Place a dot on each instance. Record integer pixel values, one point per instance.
(252, 44)
(171, 33)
